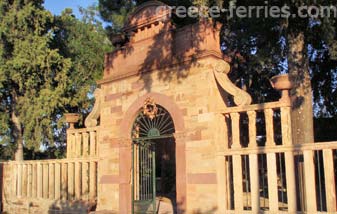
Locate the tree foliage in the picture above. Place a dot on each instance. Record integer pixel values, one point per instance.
(47, 67)
(85, 43)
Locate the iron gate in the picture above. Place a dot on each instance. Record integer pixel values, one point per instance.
(153, 122)
(144, 184)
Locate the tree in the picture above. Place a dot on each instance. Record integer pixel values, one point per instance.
(33, 77)
(85, 43)
(298, 46)
(47, 67)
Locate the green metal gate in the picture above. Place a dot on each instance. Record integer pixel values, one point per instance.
(144, 184)
(153, 122)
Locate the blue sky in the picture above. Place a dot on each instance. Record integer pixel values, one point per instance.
(57, 6)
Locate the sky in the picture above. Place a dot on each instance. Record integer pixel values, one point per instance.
(57, 6)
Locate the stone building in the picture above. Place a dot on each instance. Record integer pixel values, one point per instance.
(171, 71)
(170, 133)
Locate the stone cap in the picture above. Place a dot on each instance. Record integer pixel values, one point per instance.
(145, 15)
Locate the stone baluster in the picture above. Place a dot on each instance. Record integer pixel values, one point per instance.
(51, 176)
(85, 181)
(330, 181)
(19, 167)
(64, 181)
(57, 181)
(252, 129)
(30, 180)
(235, 118)
(85, 137)
(93, 181)
(71, 190)
(269, 118)
(39, 180)
(45, 180)
(78, 180)
(78, 145)
(34, 181)
(24, 180)
(92, 143)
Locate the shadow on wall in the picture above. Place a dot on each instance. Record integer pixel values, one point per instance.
(173, 52)
(160, 45)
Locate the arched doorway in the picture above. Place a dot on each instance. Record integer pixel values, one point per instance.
(154, 162)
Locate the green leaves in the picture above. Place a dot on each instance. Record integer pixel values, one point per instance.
(47, 67)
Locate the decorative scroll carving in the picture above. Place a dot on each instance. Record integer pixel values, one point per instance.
(91, 120)
(241, 98)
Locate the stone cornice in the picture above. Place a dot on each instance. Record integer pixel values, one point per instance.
(175, 63)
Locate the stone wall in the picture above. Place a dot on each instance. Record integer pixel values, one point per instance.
(176, 68)
(192, 102)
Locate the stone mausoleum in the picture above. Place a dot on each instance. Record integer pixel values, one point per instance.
(158, 100)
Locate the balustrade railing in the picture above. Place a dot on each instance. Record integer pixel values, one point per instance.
(282, 179)
(267, 173)
(82, 143)
(71, 179)
(253, 126)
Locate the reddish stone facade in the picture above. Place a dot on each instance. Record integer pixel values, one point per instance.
(175, 68)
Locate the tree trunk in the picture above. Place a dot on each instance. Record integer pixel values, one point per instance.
(302, 110)
(17, 130)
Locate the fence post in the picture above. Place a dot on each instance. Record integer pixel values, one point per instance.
(269, 113)
(71, 189)
(289, 158)
(45, 180)
(329, 180)
(254, 183)
(39, 181)
(85, 180)
(51, 180)
(64, 182)
(309, 180)
(57, 181)
(78, 180)
(238, 186)
(92, 180)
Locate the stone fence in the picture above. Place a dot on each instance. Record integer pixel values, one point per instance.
(266, 172)
(82, 143)
(54, 185)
